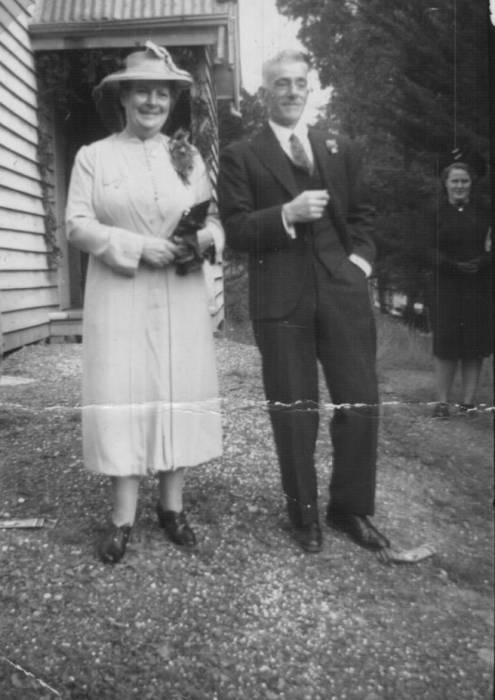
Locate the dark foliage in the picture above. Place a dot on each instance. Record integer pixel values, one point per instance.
(234, 126)
(410, 80)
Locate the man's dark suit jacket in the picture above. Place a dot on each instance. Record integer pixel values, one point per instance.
(256, 179)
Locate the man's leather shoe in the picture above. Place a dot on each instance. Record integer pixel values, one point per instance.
(114, 542)
(176, 526)
(359, 528)
(309, 537)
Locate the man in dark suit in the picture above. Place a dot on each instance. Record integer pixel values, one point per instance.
(291, 198)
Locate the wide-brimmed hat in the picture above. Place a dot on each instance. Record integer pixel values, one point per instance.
(154, 63)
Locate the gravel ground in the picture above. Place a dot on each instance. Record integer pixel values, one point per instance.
(249, 615)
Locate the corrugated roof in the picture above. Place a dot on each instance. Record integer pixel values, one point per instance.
(58, 11)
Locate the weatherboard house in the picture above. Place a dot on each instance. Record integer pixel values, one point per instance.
(51, 54)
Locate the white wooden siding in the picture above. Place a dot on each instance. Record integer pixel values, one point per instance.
(12, 82)
(16, 143)
(18, 240)
(12, 220)
(19, 125)
(11, 160)
(12, 180)
(21, 299)
(16, 48)
(23, 319)
(28, 288)
(33, 279)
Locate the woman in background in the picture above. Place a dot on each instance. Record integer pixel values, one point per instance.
(150, 395)
(458, 249)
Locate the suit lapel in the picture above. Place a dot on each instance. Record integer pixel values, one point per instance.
(323, 159)
(270, 153)
(268, 150)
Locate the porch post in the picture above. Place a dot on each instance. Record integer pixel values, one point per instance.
(205, 137)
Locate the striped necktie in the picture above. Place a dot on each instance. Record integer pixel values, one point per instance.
(298, 155)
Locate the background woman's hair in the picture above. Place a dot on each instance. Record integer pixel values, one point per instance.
(456, 166)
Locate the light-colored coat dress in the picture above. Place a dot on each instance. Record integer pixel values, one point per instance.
(150, 391)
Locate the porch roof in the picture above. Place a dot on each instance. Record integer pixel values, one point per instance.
(57, 11)
(78, 24)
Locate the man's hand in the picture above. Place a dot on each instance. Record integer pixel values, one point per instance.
(307, 206)
(159, 252)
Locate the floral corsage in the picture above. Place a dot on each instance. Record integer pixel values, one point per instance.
(182, 154)
(332, 146)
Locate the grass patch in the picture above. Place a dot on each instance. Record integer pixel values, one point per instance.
(236, 299)
(237, 326)
(399, 345)
(402, 347)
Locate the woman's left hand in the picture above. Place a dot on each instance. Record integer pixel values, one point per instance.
(159, 252)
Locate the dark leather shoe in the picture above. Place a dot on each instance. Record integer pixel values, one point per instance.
(176, 526)
(114, 542)
(309, 537)
(359, 528)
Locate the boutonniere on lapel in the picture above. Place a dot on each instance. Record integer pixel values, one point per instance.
(332, 146)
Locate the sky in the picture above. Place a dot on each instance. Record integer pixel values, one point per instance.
(263, 32)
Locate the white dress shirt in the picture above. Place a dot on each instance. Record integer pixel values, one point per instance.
(283, 134)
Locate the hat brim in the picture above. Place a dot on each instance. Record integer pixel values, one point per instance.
(113, 81)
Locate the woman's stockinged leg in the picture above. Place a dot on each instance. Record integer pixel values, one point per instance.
(169, 510)
(444, 375)
(171, 484)
(470, 372)
(125, 495)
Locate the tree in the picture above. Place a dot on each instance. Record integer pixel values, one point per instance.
(402, 68)
(234, 126)
(410, 80)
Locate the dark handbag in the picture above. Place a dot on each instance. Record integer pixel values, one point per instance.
(185, 234)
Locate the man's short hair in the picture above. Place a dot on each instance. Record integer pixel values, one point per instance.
(285, 56)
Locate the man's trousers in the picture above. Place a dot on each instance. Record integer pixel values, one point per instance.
(332, 323)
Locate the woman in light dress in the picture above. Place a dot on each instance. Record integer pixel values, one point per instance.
(150, 394)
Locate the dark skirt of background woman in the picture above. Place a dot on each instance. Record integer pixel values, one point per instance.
(460, 304)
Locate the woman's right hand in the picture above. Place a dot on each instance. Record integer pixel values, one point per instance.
(159, 252)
